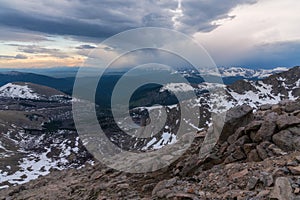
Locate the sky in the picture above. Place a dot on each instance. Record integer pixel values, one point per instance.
(53, 33)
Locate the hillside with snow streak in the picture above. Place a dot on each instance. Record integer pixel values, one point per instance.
(13, 90)
(24, 90)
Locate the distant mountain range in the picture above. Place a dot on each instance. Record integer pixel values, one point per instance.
(65, 72)
(249, 73)
(62, 79)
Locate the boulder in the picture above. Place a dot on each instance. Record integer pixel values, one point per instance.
(276, 150)
(253, 126)
(253, 156)
(239, 154)
(248, 147)
(265, 132)
(262, 150)
(267, 179)
(235, 118)
(252, 183)
(266, 107)
(263, 193)
(295, 170)
(242, 140)
(284, 121)
(238, 133)
(292, 106)
(225, 126)
(272, 116)
(282, 189)
(277, 109)
(287, 140)
(161, 188)
(239, 174)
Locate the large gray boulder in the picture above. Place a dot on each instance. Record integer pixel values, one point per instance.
(236, 117)
(288, 140)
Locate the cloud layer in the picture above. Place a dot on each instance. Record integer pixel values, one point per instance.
(101, 19)
(240, 32)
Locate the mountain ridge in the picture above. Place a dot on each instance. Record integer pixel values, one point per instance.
(62, 84)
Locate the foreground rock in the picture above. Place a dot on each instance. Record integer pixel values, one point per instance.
(259, 159)
(268, 133)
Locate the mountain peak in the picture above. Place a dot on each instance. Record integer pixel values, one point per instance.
(26, 90)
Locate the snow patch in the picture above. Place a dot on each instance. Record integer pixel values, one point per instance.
(166, 139)
(177, 87)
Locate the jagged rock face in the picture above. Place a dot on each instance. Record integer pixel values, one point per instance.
(289, 78)
(272, 89)
(254, 162)
(241, 86)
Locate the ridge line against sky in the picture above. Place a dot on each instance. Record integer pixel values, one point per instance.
(250, 33)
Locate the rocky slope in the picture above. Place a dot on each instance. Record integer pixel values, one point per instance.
(285, 85)
(257, 156)
(37, 133)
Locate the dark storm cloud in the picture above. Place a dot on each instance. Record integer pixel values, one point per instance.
(101, 19)
(55, 25)
(88, 18)
(198, 14)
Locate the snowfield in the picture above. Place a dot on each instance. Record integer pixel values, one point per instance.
(18, 91)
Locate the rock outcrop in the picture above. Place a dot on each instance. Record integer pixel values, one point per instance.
(272, 132)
